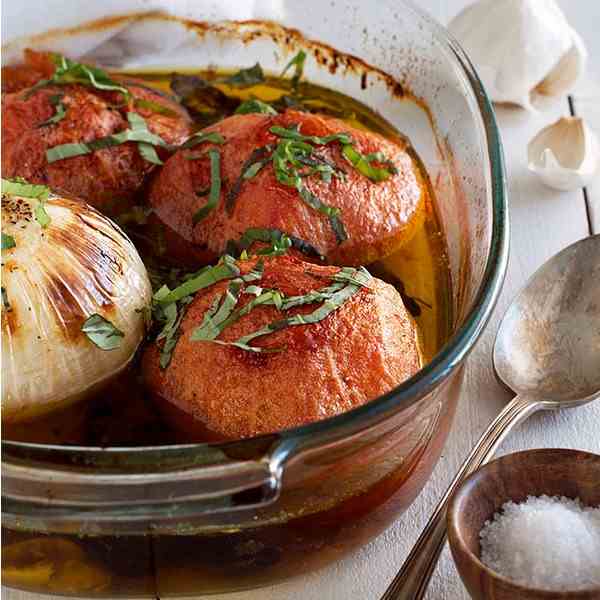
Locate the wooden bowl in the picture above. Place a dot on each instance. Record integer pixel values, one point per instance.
(553, 472)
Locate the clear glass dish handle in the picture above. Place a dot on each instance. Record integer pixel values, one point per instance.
(184, 482)
(413, 578)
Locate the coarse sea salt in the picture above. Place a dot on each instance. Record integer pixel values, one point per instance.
(550, 543)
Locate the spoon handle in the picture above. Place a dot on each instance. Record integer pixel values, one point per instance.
(412, 580)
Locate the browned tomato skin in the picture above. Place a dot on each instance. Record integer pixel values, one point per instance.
(358, 352)
(108, 178)
(36, 66)
(378, 217)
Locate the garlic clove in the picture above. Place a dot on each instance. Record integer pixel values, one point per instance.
(565, 155)
(524, 50)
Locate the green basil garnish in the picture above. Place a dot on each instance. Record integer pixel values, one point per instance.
(138, 132)
(362, 163)
(8, 241)
(154, 107)
(293, 133)
(215, 187)
(289, 170)
(332, 212)
(198, 138)
(69, 71)
(41, 216)
(172, 315)
(333, 297)
(245, 77)
(280, 243)
(254, 105)
(20, 187)
(298, 63)
(59, 110)
(252, 165)
(102, 332)
(214, 318)
(225, 269)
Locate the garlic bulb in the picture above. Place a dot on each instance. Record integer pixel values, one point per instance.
(565, 155)
(78, 269)
(524, 50)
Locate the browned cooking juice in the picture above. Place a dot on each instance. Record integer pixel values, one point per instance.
(122, 415)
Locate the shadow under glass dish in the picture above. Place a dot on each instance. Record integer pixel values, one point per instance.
(207, 518)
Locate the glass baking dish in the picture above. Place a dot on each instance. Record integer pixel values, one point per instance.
(213, 518)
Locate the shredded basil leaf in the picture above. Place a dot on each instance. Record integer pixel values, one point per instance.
(215, 187)
(245, 77)
(63, 151)
(330, 304)
(213, 319)
(41, 216)
(256, 273)
(264, 298)
(332, 212)
(5, 302)
(59, 110)
(149, 153)
(346, 282)
(293, 133)
(102, 332)
(280, 243)
(8, 241)
(171, 331)
(69, 71)
(259, 155)
(155, 107)
(198, 138)
(298, 63)
(253, 169)
(362, 163)
(20, 187)
(168, 307)
(226, 269)
(138, 132)
(254, 105)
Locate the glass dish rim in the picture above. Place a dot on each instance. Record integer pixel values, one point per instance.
(448, 358)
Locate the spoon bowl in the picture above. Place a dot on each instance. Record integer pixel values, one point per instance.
(548, 343)
(547, 350)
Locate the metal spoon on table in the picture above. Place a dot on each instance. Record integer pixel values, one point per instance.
(548, 351)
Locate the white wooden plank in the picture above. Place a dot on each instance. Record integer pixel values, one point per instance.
(543, 223)
(587, 105)
(584, 16)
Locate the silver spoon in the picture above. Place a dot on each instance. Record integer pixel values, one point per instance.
(548, 351)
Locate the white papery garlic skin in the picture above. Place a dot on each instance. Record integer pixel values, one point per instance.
(53, 279)
(525, 51)
(565, 155)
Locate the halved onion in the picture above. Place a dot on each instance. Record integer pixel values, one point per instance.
(69, 289)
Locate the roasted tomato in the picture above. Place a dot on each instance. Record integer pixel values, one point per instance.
(107, 178)
(37, 65)
(295, 374)
(375, 214)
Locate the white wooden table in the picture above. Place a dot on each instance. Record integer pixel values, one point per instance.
(543, 222)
